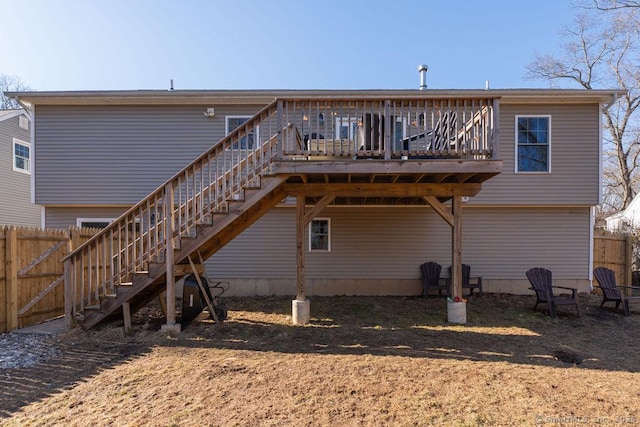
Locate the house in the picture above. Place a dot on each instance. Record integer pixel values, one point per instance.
(16, 165)
(312, 192)
(629, 218)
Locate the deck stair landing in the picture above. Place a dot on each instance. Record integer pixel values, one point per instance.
(279, 152)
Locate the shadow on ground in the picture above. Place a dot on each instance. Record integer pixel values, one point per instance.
(500, 328)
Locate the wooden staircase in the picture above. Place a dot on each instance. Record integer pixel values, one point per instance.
(208, 239)
(199, 210)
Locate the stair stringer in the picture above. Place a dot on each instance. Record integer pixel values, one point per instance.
(209, 239)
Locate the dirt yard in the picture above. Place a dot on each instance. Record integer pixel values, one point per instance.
(362, 361)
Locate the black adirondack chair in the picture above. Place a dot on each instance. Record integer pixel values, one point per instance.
(431, 279)
(469, 282)
(542, 285)
(611, 292)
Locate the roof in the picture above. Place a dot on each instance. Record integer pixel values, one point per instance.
(177, 97)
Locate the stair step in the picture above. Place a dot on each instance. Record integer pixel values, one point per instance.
(93, 307)
(127, 284)
(110, 296)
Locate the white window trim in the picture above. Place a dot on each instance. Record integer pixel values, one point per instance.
(226, 121)
(350, 122)
(256, 132)
(79, 221)
(515, 166)
(329, 235)
(13, 156)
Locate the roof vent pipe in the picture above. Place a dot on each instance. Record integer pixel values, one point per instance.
(422, 69)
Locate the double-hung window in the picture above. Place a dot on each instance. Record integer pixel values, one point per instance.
(320, 235)
(233, 122)
(533, 143)
(21, 156)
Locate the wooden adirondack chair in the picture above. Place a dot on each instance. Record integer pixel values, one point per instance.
(542, 285)
(469, 282)
(611, 292)
(431, 279)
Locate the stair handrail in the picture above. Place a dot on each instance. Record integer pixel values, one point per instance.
(160, 189)
(130, 242)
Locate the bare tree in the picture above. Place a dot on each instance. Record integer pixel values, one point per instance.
(7, 84)
(608, 5)
(602, 50)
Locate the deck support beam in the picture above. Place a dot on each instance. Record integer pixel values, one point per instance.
(456, 248)
(454, 219)
(300, 308)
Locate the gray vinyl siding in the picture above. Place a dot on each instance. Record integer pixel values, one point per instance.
(390, 243)
(117, 155)
(575, 147)
(65, 217)
(15, 188)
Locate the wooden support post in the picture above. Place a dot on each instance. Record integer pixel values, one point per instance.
(11, 273)
(169, 224)
(126, 315)
(456, 247)
(495, 129)
(300, 223)
(388, 149)
(279, 125)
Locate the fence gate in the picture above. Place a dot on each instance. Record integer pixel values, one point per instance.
(32, 273)
(614, 251)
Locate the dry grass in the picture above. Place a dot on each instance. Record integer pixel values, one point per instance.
(362, 361)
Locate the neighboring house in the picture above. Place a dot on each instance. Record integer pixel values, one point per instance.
(16, 164)
(626, 219)
(382, 169)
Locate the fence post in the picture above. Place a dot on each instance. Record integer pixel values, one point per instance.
(11, 273)
(68, 294)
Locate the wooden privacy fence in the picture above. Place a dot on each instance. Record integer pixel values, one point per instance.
(32, 273)
(614, 251)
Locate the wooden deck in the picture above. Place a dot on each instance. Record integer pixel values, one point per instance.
(414, 151)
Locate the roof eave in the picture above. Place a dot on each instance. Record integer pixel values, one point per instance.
(261, 97)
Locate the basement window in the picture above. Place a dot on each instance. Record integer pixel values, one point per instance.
(94, 222)
(21, 156)
(533, 143)
(320, 235)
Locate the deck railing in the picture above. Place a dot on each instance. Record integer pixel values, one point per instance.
(392, 129)
(286, 129)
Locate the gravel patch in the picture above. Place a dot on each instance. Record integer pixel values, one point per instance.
(20, 350)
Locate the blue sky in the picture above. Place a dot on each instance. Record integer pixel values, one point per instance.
(276, 44)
